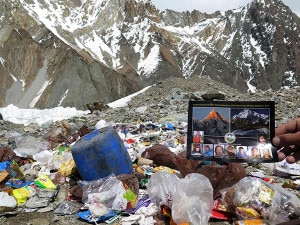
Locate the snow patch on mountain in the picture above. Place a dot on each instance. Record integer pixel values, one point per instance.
(251, 115)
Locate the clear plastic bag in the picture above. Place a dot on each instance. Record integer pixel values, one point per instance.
(190, 199)
(110, 191)
(101, 190)
(284, 205)
(252, 195)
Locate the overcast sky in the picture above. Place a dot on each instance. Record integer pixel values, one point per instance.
(210, 6)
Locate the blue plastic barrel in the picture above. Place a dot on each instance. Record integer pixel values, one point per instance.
(101, 153)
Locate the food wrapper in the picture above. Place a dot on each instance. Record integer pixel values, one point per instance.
(248, 212)
(3, 175)
(68, 168)
(252, 222)
(164, 168)
(18, 183)
(44, 181)
(15, 171)
(21, 195)
(220, 211)
(265, 194)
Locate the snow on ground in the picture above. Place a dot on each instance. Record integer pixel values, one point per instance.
(40, 116)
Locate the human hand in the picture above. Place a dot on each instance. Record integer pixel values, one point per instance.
(287, 137)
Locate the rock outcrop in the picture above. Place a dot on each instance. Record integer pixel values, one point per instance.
(72, 53)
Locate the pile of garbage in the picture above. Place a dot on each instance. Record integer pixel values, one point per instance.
(139, 174)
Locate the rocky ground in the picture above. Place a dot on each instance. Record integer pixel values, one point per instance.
(170, 98)
(165, 101)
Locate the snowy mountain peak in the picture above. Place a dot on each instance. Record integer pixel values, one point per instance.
(107, 49)
(251, 115)
(215, 115)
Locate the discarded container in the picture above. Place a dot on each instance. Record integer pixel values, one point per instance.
(101, 153)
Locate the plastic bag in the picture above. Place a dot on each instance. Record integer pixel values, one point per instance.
(254, 198)
(222, 176)
(7, 201)
(67, 168)
(27, 146)
(190, 199)
(22, 194)
(37, 202)
(161, 155)
(110, 191)
(98, 209)
(60, 160)
(7, 204)
(43, 157)
(97, 186)
(86, 215)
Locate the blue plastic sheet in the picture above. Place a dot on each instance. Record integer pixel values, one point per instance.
(4, 165)
(86, 215)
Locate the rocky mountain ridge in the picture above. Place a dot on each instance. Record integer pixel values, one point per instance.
(73, 53)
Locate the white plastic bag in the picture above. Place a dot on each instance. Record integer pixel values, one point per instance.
(7, 200)
(190, 199)
(161, 187)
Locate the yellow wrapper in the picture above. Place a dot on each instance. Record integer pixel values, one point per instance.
(44, 181)
(21, 194)
(163, 168)
(248, 212)
(68, 168)
(3, 175)
(251, 222)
